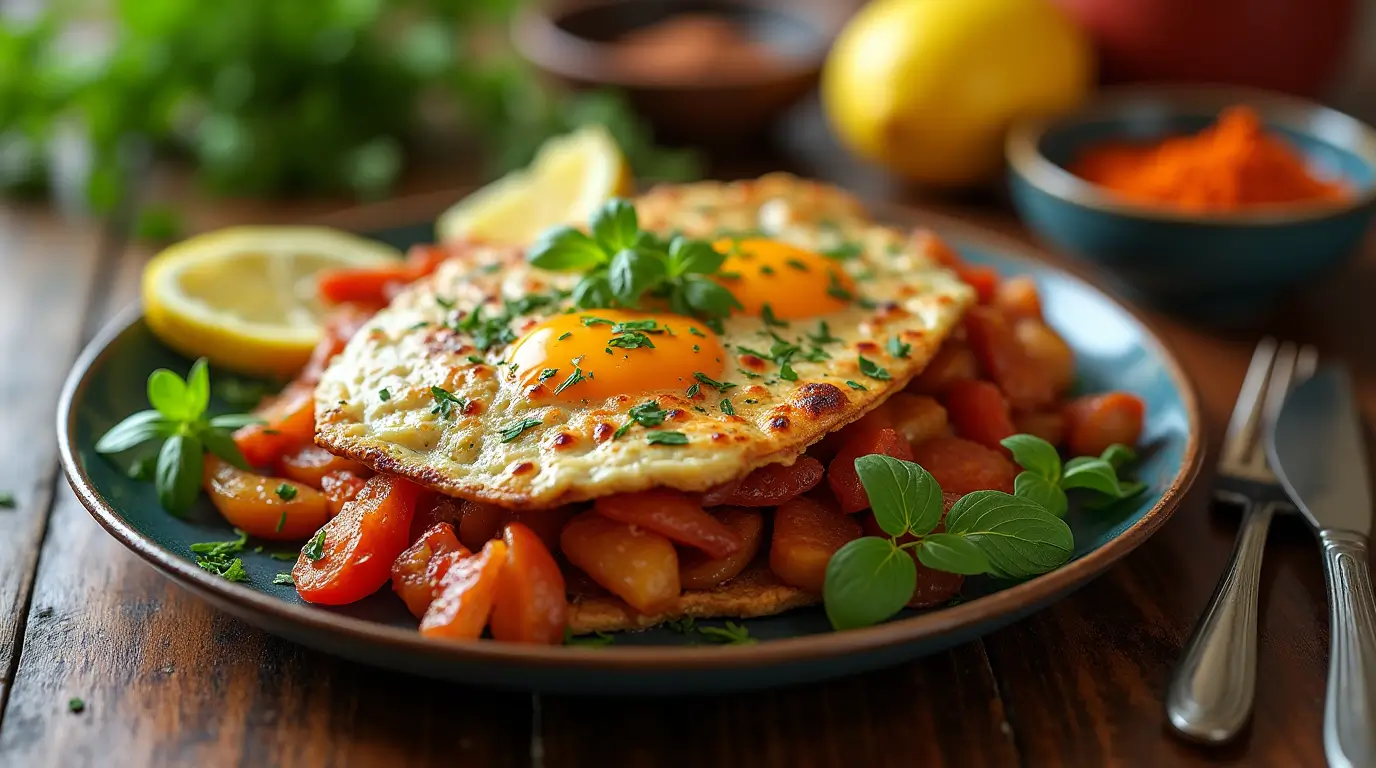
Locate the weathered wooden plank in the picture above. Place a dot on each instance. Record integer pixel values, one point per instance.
(943, 710)
(50, 266)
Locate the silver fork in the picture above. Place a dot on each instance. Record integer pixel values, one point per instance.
(1210, 695)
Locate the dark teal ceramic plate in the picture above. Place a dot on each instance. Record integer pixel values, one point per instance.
(1115, 351)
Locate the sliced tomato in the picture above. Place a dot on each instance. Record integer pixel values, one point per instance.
(256, 504)
(466, 594)
(1018, 298)
(411, 573)
(340, 488)
(871, 434)
(979, 412)
(377, 285)
(1028, 386)
(360, 544)
(288, 425)
(310, 463)
(1095, 422)
(531, 604)
(675, 516)
(961, 466)
(768, 486)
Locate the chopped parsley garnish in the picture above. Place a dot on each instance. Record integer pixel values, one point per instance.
(564, 335)
(384, 395)
(872, 369)
(286, 492)
(631, 340)
(7, 500)
(838, 291)
(696, 348)
(898, 348)
(727, 408)
(770, 321)
(787, 373)
(797, 264)
(747, 374)
(595, 640)
(844, 251)
(221, 557)
(515, 430)
(315, 548)
(281, 521)
(445, 303)
(76, 706)
(694, 389)
(693, 330)
(419, 325)
(765, 269)
(647, 414)
(682, 626)
(731, 634)
(548, 373)
(446, 402)
(573, 378)
(823, 335)
(855, 385)
(816, 355)
(476, 359)
(284, 578)
(665, 437)
(720, 386)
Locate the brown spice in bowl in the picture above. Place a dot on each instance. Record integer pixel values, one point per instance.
(692, 47)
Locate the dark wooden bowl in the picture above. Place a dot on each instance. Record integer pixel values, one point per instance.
(574, 42)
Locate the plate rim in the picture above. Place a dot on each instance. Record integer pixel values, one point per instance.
(915, 629)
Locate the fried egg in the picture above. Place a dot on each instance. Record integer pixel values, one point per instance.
(484, 382)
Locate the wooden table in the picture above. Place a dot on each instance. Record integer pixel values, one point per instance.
(166, 680)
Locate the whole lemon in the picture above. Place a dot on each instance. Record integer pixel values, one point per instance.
(928, 88)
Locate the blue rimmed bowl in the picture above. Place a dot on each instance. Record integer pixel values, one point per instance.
(1218, 266)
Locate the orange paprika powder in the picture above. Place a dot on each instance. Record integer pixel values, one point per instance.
(1231, 165)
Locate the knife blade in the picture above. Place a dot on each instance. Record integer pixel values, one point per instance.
(1316, 451)
(1315, 448)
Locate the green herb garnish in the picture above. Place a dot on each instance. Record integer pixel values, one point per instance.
(731, 634)
(384, 395)
(7, 500)
(76, 706)
(898, 348)
(516, 429)
(286, 492)
(446, 402)
(720, 386)
(573, 378)
(221, 557)
(823, 335)
(666, 437)
(871, 369)
(315, 548)
(178, 419)
(856, 385)
(770, 321)
(727, 408)
(595, 640)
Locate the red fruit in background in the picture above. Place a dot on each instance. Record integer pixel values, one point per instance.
(1285, 45)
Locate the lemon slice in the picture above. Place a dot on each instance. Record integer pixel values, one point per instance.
(246, 297)
(570, 178)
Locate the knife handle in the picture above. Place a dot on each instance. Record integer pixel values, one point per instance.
(1210, 695)
(1349, 721)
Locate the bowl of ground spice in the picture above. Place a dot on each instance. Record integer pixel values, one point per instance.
(709, 72)
(1207, 201)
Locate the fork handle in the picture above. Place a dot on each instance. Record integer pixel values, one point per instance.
(1210, 696)
(1349, 720)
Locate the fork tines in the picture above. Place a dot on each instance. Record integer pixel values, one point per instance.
(1274, 369)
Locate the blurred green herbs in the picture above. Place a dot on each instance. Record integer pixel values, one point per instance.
(275, 97)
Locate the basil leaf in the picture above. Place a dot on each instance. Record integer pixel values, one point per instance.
(222, 445)
(1096, 475)
(198, 388)
(233, 421)
(632, 273)
(565, 249)
(141, 426)
(952, 554)
(1118, 455)
(1034, 455)
(167, 392)
(1034, 487)
(868, 580)
(178, 477)
(1130, 488)
(615, 226)
(693, 257)
(905, 497)
(592, 292)
(1078, 461)
(707, 297)
(1019, 537)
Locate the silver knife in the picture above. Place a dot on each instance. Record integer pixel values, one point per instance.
(1316, 450)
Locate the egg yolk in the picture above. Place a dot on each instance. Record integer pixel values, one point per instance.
(596, 354)
(793, 282)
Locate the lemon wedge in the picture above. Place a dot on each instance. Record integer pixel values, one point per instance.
(245, 297)
(571, 177)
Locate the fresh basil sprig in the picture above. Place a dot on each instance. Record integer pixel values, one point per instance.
(622, 264)
(1046, 481)
(178, 419)
(870, 579)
